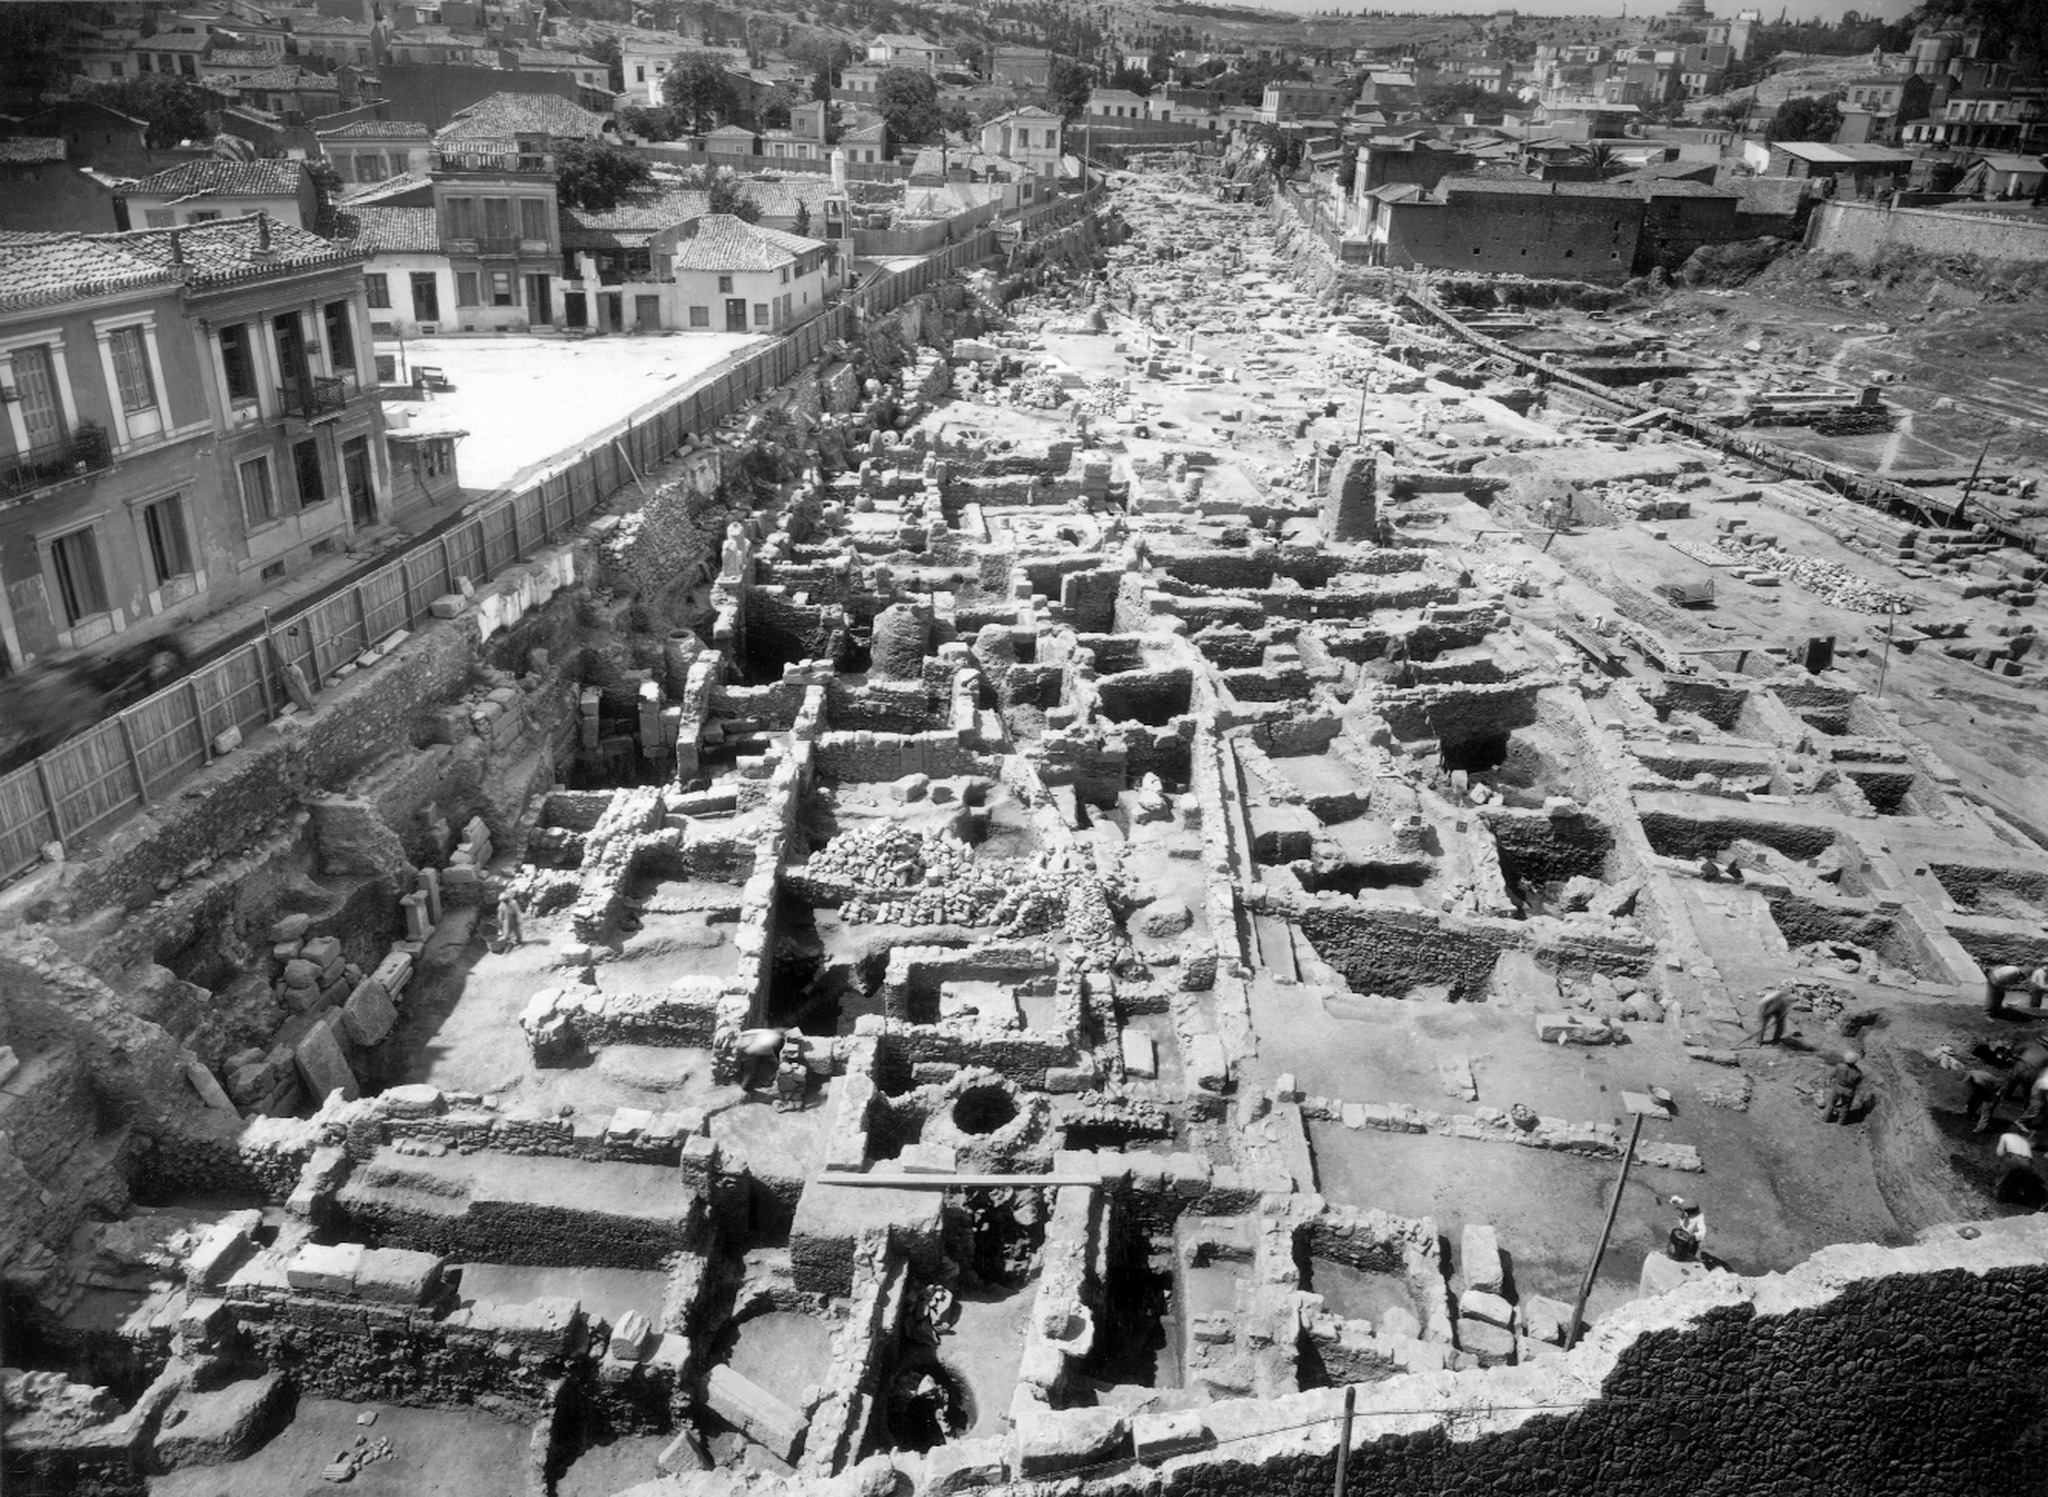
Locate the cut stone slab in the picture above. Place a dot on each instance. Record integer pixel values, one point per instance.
(369, 1013)
(396, 1276)
(323, 1067)
(1208, 1063)
(1478, 1304)
(754, 1412)
(1141, 1055)
(1050, 1441)
(1479, 1258)
(1157, 1436)
(1571, 1029)
(1493, 1346)
(1545, 1319)
(1645, 1104)
(319, 1269)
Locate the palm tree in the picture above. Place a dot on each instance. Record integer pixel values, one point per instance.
(1597, 156)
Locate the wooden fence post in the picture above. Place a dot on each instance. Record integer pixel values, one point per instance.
(50, 802)
(134, 759)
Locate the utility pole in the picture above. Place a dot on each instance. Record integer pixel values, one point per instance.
(1956, 522)
(1571, 1330)
(1891, 614)
(1344, 1439)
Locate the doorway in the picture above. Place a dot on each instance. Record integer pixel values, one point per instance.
(355, 477)
(646, 314)
(735, 314)
(426, 297)
(614, 312)
(540, 301)
(575, 309)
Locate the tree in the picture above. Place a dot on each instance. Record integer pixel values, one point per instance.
(801, 225)
(2014, 29)
(606, 50)
(1069, 87)
(1131, 80)
(648, 124)
(700, 93)
(727, 196)
(173, 110)
(593, 176)
(32, 39)
(1596, 159)
(909, 104)
(1809, 117)
(1441, 101)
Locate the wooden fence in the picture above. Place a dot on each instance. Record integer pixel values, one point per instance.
(142, 754)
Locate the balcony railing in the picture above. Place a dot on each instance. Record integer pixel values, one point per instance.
(314, 397)
(487, 160)
(51, 463)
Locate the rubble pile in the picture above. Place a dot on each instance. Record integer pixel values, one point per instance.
(892, 875)
(1828, 579)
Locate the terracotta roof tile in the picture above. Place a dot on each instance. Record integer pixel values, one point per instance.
(725, 243)
(28, 149)
(502, 115)
(241, 179)
(47, 269)
(389, 231)
(377, 130)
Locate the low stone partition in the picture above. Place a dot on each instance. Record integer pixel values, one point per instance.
(426, 1118)
(383, 1325)
(1492, 1125)
(561, 1022)
(867, 758)
(864, 1346)
(1073, 1272)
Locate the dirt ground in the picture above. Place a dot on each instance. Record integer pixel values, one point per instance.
(437, 1453)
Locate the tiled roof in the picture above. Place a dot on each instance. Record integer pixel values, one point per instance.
(875, 134)
(502, 115)
(225, 251)
(391, 187)
(725, 243)
(235, 179)
(23, 150)
(331, 26)
(1531, 187)
(287, 79)
(38, 270)
(377, 130)
(255, 62)
(549, 57)
(389, 231)
(1030, 112)
(634, 221)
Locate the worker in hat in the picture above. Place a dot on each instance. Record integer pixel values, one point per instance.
(1983, 1089)
(2015, 1150)
(1843, 1081)
(758, 1050)
(1771, 1012)
(792, 1075)
(2002, 980)
(1689, 1238)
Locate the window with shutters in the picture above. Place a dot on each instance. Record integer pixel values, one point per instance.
(81, 586)
(259, 495)
(497, 218)
(462, 218)
(341, 335)
(533, 218)
(465, 288)
(131, 370)
(378, 284)
(170, 545)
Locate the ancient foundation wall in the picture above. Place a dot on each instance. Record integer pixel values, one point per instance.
(1865, 1370)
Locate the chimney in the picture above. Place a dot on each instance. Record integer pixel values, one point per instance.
(839, 171)
(262, 231)
(177, 248)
